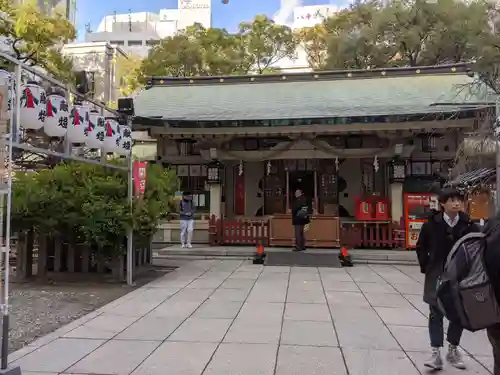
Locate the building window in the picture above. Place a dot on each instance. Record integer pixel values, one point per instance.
(134, 43)
(193, 178)
(152, 42)
(429, 143)
(117, 43)
(187, 148)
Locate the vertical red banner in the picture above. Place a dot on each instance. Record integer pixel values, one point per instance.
(239, 194)
(139, 177)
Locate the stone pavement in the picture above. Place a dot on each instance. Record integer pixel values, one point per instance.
(233, 318)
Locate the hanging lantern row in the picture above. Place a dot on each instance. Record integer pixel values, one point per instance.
(78, 123)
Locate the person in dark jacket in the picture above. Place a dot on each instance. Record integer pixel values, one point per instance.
(300, 218)
(492, 260)
(437, 237)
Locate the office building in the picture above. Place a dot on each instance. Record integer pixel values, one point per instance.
(137, 32)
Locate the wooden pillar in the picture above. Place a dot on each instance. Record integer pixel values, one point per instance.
(160, 147)
(57, 254)
(43, 242)
(30, 244)
(315, 209)
(85, 252)
(21, 256)
(71, 257)
(287, 190)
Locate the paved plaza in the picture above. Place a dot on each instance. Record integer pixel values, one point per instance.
(233, 318)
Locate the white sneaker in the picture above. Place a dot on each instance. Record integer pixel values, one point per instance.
(454, 358)
(189, 246)
(435, 362)
(183, 246)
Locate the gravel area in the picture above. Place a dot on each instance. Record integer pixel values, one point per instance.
(36, 310)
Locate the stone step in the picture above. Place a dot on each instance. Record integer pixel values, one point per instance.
(364, 256)
(302, 259)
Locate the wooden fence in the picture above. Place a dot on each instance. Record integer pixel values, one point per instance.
(372, 235)
(368, 235)
(238, 231)
(43, 255)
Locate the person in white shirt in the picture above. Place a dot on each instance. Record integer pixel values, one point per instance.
(187, 210)
(436, 239)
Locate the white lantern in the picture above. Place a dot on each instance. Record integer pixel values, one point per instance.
(33, 106)
(78, 123)
(125, 140)
(57, 115)
(111, 135)
(95, 130)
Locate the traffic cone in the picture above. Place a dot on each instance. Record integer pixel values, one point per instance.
(344, 257)
(260, 255)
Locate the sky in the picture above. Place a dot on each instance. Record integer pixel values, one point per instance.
(224, 15)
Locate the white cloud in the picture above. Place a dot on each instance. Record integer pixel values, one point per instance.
(284, 15)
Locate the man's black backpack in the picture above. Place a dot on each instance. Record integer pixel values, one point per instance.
(464, 290)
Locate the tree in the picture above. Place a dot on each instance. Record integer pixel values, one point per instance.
(266, 43)
(35, 38)
(403, 33)
(430, 33)
(221, 53)
(176, 56)
(128, 74)
(314, 42)
(198, 51)
(357, 39)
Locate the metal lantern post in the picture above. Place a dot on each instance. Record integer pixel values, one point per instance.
(497, 150)
(130, 233)
(13, 142)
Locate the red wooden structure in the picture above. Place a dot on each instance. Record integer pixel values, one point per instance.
(372, 235)
(368, 235)
(238, 231)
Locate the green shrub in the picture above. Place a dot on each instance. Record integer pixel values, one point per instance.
(84, 203)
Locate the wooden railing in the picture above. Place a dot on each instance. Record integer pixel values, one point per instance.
(368, 235)
(371, 235)
(238, 231)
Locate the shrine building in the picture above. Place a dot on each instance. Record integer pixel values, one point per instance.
(356, 142)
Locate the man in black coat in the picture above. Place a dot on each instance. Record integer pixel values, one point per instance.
(436, 239)
(492, 259)
(300, 218)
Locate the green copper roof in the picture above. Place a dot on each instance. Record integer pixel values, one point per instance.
(288, 99)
